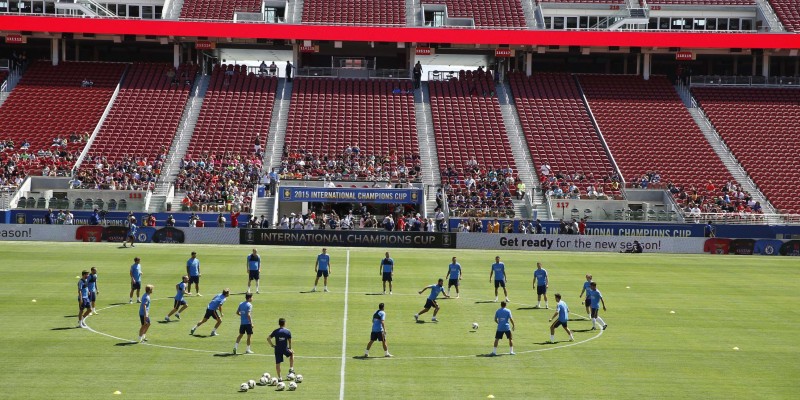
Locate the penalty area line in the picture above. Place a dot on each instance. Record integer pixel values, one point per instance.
(344, 324)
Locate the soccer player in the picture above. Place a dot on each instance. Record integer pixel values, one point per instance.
(180, 291)
(540, 282)
(282, 346)
(136, 279)
(562, 313)
(245, 309)
(597, 300)
(144, 313)
(499, 272)
(193, 270)
(254, 270)
(454, 277)
(91, 280)
(84, 305)
(436, 290)
(323, 268)
(214, 310)
(131, 235)
(378, 331)
(387, 271)
(586, 287)
(505, 324)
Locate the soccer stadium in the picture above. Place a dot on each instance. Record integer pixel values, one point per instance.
(338, 178)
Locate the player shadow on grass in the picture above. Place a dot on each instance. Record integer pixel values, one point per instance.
(117, 304)
(489, 355)
(70, 316)
(531, 308)
(374, 294)
(582, 330)
(485, 301)
(65, 328)
(126, 343)
(225, 355)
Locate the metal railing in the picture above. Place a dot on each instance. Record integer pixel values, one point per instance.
(716, 80)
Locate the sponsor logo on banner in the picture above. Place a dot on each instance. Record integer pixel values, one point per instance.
(352, 238)
(684, 56)
(309, 49)
(115, 234)
(503, 52)
(791, 248)
(169, 235)
(423, 51)
(205, 45)
(89, 233)
(16, 39)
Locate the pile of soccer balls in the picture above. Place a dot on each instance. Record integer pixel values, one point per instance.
(269, 380)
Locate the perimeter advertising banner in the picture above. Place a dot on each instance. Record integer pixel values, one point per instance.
(350, 195)
(611, 244)
(348, 238)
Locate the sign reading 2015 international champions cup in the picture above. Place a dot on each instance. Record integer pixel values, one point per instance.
(351, 195)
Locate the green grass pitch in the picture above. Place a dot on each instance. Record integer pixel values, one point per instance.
(720, 302)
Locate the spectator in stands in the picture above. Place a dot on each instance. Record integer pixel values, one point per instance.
(494, 226)
(235, 218)
(263, 69)
(86, 83)
(273, 69)
(520, 190)
(49, 217)
(709, 230)
(417, 75)
(221, 220)
(170, 221)
(69, 218)
(582, 227)
(289, 70)
(151, 220)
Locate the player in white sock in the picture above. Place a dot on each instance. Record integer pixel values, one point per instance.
(597, 300)
(540, 283)
(562, 313)
(505, 325)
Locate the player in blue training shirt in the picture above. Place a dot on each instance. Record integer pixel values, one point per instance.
(193, 270)
(454, 277)
(131, 235)
(500, 279)
(540, 283)
(505, 324)
(282, 346)
(144, 313)
(562, 313)
(586, 287)
(254, 270)
(214, 310)
(387, 272)
(136, 279)
(245, 309)
(91, 280)
(597, 299)
(180, 291)
(378, 331)
(323, 268)
(436, 290)
(84, 305)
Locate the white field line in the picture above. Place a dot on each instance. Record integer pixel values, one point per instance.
(344, 324)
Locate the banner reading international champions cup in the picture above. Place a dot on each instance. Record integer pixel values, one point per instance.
(351, 195)
(348, 238)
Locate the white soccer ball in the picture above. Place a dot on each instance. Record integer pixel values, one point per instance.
(474, 325)
(244, 387)
(251, 383)
(273, 381)
(281, 386)
(267, 375)
(292, 386)
(298, 378)
(264, 381)
(291, 376)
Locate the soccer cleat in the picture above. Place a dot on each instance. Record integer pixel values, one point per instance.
(571, 339)
(390, 292)
(166, 318)
(280, 380)
(387, 355)
(291, 370)
(143, 339)
(94, 312)
(138, 301)
(495, 299)
(326, 290)
(213, 333)
(198, 293)
(604, 327)
(234, 350)
(458, 295)
(507, 300)
(492, 354)
(191, 332)
(130, 301)
(178, 316)
(434, 319)
(366, 355)
(384, 292)
(248, 351)
(313, 289)
(416, 317)
(258, 291)
(512, 353)
(132, 245)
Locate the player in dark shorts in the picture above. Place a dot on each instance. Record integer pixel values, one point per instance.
(93, 290)
(378, 331)
(387, 272)
(436, 290)
(562, 312)
(254, 270)
(282, 346)
(84, 305)
(180, 304)
(214, 311)
(505, 324)
(244, 311)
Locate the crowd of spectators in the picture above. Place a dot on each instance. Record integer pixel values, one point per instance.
(18, 160)
(728, 200)
(577, 185)
(351, 164)
(218, 182)
(126, 173)
(476, 191)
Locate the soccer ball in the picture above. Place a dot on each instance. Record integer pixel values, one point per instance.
(267, 375)
(474, 325)
(244, 387)
(298, 378)
(291, 376)
(273, 381)
(264, 381)
(281, 386)
(251, 383)
(292, 386)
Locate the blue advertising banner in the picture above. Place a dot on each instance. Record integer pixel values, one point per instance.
(18, 216)
(351, 195)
